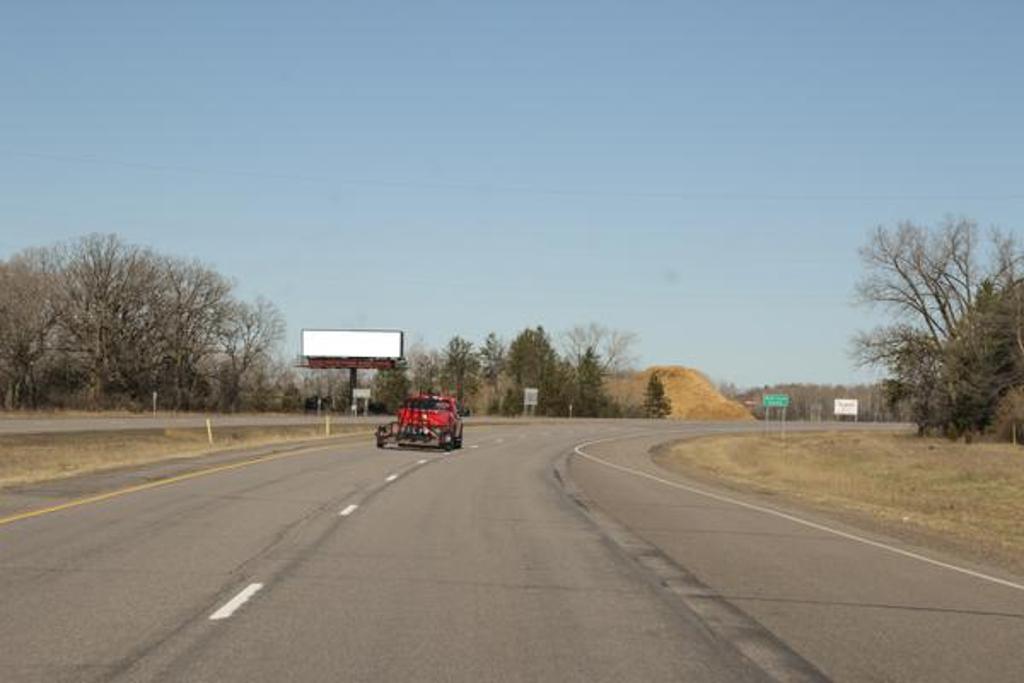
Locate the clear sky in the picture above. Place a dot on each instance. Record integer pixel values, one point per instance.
(700, 173)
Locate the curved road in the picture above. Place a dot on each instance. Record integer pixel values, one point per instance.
(506, 561)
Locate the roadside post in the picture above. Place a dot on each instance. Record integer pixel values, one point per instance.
(363, 395)
(209, 431)
(327, 424)
(778, 402)
(353, 379)
(154, 404)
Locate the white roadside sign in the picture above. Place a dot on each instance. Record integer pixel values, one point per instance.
(846, 406)
(530, 396)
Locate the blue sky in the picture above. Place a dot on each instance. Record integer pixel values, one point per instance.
(699, 173)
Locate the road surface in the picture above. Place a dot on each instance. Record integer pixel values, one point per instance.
(506, 561)
(46, 425)
(10, 425)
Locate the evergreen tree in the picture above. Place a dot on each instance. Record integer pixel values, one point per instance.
(533, 362)
(530, 357)
(512, 403)
(590, 399)
(557, 389)
(656, 403)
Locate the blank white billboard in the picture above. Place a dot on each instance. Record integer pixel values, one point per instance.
(352, 344)
(846, 406)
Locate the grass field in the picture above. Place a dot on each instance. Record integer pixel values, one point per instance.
(966, 498)
(35, 457)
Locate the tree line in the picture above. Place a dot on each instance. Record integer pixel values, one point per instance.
(491, 376)
(953, 348)
(98, 323)
(815, 402)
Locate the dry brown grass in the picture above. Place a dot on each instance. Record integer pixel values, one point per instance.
(967, 497)
(35, 457)
(57, 413)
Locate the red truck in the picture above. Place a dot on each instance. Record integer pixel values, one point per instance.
(424, 420)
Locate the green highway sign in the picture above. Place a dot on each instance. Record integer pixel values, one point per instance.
(775, 401)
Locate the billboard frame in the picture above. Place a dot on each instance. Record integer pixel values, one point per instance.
(353, 362)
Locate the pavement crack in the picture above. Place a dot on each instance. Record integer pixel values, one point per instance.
(873, 605)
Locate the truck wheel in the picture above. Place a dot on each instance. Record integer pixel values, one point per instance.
(447, 441)
(458, 441)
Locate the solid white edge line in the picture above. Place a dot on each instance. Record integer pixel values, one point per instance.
(349, 510)
(391, 477)
(234, 603)
(813, 525)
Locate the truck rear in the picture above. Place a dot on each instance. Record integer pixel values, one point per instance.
(424, 420)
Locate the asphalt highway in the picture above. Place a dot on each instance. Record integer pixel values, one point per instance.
(526, 556)
(11, 425)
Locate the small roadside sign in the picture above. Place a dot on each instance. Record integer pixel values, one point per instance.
(530, 396)
(775, 400)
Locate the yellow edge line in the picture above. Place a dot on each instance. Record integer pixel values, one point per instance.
(154, 484)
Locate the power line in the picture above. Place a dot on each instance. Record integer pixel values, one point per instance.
(488, 188)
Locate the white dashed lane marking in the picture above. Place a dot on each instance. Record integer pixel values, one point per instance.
(349, 510)
(391, 477)
(234, 603)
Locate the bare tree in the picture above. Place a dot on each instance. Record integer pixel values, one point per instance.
(425, 367)
(929, 278)
(196, 306)
(249, 337)
(946, 350)
(615, 347)
(27, 321)
(106, 305)
(102, 323)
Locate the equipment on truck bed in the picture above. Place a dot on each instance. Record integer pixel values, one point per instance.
(424, 420)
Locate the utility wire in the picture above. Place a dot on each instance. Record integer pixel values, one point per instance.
(487, 188)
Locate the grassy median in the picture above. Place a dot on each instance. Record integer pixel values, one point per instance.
(967, 498)
(27, 458)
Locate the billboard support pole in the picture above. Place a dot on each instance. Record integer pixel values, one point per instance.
(352, 390)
